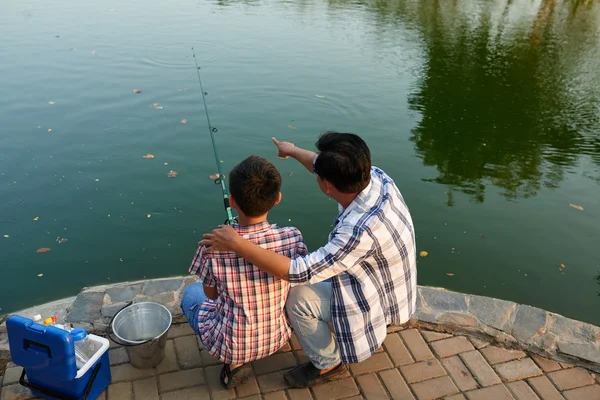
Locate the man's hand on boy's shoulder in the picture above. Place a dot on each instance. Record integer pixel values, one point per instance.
(224, 238)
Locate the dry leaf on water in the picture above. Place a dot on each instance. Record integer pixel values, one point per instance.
(291, 127)
(450, 274)
(319, 96)
(43, 249)
(172, 174)
(50, 102)
(36, 218)
(184, 121)
(159, 107)
(136, 91)
(575, 206)
(423, 253)
(148, 215)
(93, 51)
(155, 104)
(40, 275)
(50, 130)
(6, 236)
(216, 176)
(148, 156)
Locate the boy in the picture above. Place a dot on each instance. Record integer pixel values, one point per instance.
(237, 310)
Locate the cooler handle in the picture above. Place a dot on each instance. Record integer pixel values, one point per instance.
(42, 348)
(58, 395)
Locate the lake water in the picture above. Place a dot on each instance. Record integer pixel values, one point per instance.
(486, 113)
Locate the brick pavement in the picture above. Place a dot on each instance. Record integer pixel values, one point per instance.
(412, 365)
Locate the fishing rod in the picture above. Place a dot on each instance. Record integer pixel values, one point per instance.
(221, 179)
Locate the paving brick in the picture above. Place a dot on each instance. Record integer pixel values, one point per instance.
(583, 393)
(459, 373)
(120, 391)
(16, 392)
(118, 356)
(566, 365)
(459, 396)
(379, 350)
(518, 370)
(285, 348)
(299, 394)
(546, 364)
(196, 393)
(544, 388)
(146, 389)
(169, 363)
(126, 372)
(431, 336)
(478, 343)
(417, 346)
(12, 375)
(498, 392)
(271, 382)
(451, 347)
(571, 378)
(395, 384)
(248, 388)
(275, 396)
(397, 350)
(497, 355)
(181, 380)
(295, 343)
(376, 362)
(253, 397)
(422, 371)
(273, 363)
(434, 388)
(336, 389)
(188, 354)
(180, 330)
(371, 387)
(481, 370)
(522, 391)
(207, 359)
(217, 391)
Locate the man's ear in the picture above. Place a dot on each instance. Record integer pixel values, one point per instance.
(279, 196)
(329, 187)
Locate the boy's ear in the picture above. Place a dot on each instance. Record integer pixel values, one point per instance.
(232, 203)
(278, 198)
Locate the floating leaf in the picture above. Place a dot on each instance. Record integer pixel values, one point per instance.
(6, 236)
(575, 206)
(450, 274)
(155, 104)
(36, 218)
(291, 127)
(73, 49)
(453, 249)
(184, 121)
(50, 102)
(319, 96)
(563, 266)
(120, 259)
(43, 249)
(166, 163)
(159, 107)
(97, 180)
(148, 215)
(39, 126)
(148, 156)
(49, 129)
(423, 253)
(40, 275)
(136, 91)
(214, 176)
(93, 51)
(172, 174)
(61, 240)
(179, 90)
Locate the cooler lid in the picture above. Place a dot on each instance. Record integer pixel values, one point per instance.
(42, 350)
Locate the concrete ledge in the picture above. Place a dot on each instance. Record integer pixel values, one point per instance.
(502, 322)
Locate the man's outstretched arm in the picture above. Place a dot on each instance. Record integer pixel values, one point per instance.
(304, 157)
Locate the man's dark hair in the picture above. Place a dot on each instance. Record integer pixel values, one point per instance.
(254, 184)
(344, 160)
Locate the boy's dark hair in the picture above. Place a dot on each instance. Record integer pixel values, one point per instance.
(344, 160)
(254, 184)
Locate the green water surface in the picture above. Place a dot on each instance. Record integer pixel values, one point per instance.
(485, 112)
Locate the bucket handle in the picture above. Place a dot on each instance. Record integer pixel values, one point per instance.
(57, 395)
(109, 332)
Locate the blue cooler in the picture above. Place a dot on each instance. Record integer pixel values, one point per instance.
(47, 355)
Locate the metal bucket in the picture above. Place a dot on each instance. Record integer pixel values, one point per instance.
(142, 329)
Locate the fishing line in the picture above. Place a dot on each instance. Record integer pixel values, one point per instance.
(221, 179)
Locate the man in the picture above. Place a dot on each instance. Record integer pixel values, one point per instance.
(362, 280)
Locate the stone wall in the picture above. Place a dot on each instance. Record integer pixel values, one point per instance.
(506, 323)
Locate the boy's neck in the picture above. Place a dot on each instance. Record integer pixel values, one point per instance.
(247, 221)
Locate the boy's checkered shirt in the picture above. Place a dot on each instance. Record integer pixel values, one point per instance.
(247, 320)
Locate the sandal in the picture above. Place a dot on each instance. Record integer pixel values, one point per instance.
(231, 379)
